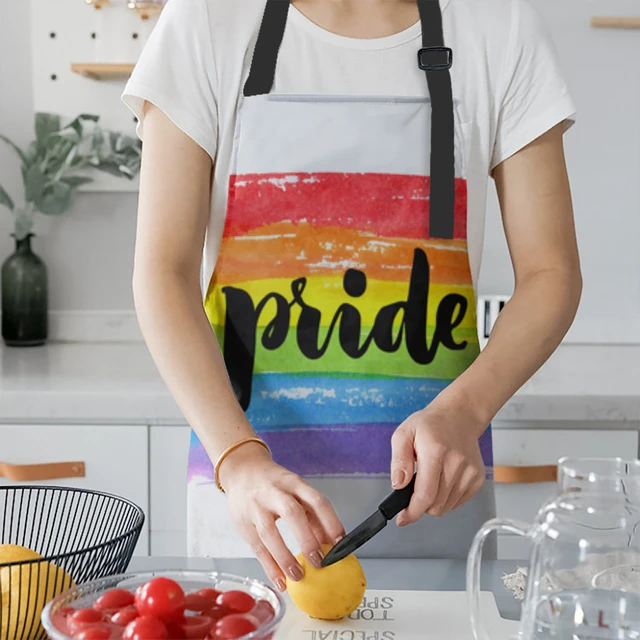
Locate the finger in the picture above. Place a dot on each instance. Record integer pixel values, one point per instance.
(323, 512)
(402, 458)
(429, 470)
(295, 516)
(452, 471)
(270, 536)
(270, 566)
(476, 483)
(318, 530)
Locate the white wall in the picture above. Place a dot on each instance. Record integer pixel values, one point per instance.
(603, 156)
(89, 251)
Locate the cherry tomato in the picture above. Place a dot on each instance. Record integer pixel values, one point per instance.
(216, 612)
(233, 626)
(263, 612)
(145, 628)
(201, 600)
(99, 631)
(125, 616)
(160, 597)
(114, 599)
(197, 626)
(82, 618)
(65, 612)
(175, 631)
(236, 601)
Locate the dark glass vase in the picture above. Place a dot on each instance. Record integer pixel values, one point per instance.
(24, 297)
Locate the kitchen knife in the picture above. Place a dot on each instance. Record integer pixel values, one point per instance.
(388, 509)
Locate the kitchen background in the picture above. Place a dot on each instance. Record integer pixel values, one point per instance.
(92, 394)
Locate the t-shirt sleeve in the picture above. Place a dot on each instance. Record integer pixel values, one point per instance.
(534, 96)
(176, 72)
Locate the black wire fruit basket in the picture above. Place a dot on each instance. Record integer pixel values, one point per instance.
(52, 538)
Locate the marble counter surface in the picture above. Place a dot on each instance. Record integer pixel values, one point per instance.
(113, 383)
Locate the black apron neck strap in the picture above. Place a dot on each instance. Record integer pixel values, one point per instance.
(434, 58)
(265, 54)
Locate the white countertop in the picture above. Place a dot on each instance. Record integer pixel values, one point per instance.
(118, 383)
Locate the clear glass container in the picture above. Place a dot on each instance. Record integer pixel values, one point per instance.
(85, 595)
(601, 475)
(574, 537)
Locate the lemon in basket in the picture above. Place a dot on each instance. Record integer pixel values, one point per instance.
(25, 589)
(330, 593)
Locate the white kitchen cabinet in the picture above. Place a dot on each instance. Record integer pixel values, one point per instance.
(169, 452)
(115, 459)
(533, 447)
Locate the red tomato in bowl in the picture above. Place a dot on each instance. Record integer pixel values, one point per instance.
(232, 627)
(175, 631)
(83, 618)
(98, 631)
(236, 601)
(146, 628)
(262, 613)
(197, 627)
(160, 597)
(201, 600)
(113, 600)
(216, 612)
(124, 616)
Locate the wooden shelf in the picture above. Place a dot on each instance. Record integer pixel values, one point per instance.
(604, 22)
(102, 71)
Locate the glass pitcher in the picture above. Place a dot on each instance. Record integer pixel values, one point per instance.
(574, 537)
(600, 475)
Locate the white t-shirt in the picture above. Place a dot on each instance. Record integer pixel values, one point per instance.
(506, 78)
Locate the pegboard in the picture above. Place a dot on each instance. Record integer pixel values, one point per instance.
(64, 32)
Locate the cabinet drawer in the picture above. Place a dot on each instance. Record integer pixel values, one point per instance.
(532, 447)
(115, 459)
(169, 454)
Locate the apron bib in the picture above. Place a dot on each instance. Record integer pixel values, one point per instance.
(342, 296)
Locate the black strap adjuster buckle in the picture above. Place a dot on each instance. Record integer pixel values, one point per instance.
(435, 58)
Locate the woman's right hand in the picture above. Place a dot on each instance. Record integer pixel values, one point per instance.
(260, 493)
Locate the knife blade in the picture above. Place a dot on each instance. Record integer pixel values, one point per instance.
(388, 509)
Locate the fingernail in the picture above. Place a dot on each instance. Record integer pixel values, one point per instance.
(315, 558)
(401, 521)
(338, 538)
(296, 572)
(397, 478)
(280, 584)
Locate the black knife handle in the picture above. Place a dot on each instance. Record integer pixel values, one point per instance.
(398, 500)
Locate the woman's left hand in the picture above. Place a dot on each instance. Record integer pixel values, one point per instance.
(443, 441)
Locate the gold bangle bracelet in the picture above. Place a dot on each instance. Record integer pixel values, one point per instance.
(229, 450)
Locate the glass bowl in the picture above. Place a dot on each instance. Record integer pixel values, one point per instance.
(86, 594)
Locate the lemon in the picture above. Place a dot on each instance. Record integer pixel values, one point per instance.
(330, 593)
(25, 590)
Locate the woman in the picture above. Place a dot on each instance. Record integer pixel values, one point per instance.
(337, 187)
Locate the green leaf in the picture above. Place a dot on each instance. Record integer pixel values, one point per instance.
(34, 183)
(23, 224)
(76, 181)
(46, 124)
(16, 148)
(68, 133)
(32, 153)
(56, 199)
(76, 124)
(5, 199)
(110, 167)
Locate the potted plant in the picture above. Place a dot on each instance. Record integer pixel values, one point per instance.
(53, 166)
